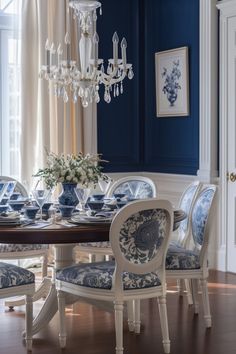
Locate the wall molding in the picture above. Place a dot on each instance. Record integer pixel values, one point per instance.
(208, 98)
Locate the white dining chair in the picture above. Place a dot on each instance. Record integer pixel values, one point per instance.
(132, 186)
(25, 251)
(139, 236)
(17, 281)
(192, 263)
(182, 236)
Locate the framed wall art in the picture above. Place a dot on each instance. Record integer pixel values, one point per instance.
(172, 82)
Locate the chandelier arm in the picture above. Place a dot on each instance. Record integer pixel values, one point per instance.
(108, 81)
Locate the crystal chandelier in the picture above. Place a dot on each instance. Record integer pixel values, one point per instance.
(84, 80)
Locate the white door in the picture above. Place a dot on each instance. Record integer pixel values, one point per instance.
(231, 149)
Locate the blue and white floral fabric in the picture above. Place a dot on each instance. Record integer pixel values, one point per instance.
(8, 247)
(99, 275)
(200, 213)
(186, 205)
(135, 189)
(11, 275)
(180, 258)
(142, 234)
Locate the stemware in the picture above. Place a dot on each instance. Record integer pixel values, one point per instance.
(82, 195)
(104, 185)
(3, 189)
(41, 195)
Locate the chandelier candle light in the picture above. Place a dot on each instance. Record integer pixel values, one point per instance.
(83, 80)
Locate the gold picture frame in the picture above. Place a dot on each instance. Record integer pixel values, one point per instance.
(172, 82)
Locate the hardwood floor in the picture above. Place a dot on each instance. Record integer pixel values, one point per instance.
(91, 328)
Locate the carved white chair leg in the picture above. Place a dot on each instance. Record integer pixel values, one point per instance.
(130, 311)
(28, 322)
(194, 283)
(61, 309)
(119, 306)
(137, 322)
(189, 291)
(164, 323)
(205, 301)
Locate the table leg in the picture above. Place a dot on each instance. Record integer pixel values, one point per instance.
(63, 254)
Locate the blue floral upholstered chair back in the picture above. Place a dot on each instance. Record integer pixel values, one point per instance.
(134, 187)
(139, 237)
(201, 218)
(137, 187)
(186, 204)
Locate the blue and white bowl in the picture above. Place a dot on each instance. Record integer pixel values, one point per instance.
(16, 205)
(3, 208)
(95, 205)
(31, 211)
(66, 210)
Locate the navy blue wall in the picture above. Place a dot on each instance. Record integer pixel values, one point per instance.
(130, 135)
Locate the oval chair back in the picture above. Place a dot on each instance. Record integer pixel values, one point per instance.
(201, 219)
(186, 204)
(134, 187)
(139, 237)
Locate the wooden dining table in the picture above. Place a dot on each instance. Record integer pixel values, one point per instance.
(64, 238)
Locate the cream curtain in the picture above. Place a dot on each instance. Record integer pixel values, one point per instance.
(46, 121)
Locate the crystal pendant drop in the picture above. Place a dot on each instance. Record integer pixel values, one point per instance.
(105, 96)
(102, 68)
(114, 91)
(100, 10)
(84, 103)
(117, 90)
(121, 87)
(75, 97)
(65, 96)
(130, 74)
(81, 92)
(108, 97)
(97, 97)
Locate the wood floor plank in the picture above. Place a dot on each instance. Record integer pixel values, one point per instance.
(91, 328)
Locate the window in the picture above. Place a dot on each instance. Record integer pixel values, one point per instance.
(10, 120)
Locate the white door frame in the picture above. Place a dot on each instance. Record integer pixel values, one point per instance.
(227, 9)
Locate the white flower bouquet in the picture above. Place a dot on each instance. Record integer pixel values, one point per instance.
(83, 169)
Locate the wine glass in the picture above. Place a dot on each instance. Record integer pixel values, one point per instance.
(41, 195)
(3, 189)
(104, 184)
(82, 195)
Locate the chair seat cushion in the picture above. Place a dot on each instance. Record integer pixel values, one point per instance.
(179, 258)
(11, 275)
(8, 247)
(99, 275)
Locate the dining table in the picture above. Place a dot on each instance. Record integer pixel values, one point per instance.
(64, 237)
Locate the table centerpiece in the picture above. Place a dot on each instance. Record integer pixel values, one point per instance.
(71, 170)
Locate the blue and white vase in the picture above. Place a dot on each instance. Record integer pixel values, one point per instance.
(68, 195)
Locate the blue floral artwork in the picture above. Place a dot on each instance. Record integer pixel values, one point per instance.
(171, 82)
